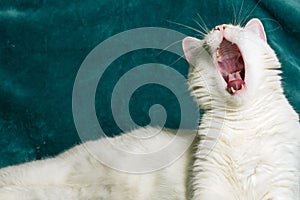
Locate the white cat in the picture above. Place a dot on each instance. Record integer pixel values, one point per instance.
(237, 83)
(249, 137)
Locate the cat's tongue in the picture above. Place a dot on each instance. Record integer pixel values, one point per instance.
(235, 82)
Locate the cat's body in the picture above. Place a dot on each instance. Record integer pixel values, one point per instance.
(256, 157)
(78, 175)
(249, 137)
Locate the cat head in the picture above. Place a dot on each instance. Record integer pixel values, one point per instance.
(232, 65)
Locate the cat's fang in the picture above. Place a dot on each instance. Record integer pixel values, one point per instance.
(233, 90)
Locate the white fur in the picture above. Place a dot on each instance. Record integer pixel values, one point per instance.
(249, 147)
(78, 175)
(257, 134)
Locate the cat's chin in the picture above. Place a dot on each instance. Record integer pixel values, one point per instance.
(232, 104)
(239, 99)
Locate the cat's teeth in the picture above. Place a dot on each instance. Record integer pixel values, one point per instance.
(243, 86)
(233, 90)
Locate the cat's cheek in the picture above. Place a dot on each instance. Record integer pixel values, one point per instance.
(232, 35)
(216, 39)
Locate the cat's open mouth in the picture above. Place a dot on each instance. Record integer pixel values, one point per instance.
(232, 66)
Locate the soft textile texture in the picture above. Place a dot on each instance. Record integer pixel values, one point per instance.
(43, 43)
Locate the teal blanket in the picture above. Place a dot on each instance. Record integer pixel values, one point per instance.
(44, 43)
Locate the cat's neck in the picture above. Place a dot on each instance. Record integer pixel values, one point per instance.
(268, 109)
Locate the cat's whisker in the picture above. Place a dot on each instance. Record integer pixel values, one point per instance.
(251, 11)
(203, 33)
(186, 26)
(274, 29)
(177, 60)
(272, 20)
(180, 57)
(183, 57)
(199, 35)
(205, 28)
(240, 13)
(234, 13)
(246, 13)
(167, 47)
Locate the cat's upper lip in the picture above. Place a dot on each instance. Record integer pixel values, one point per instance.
(231, 66)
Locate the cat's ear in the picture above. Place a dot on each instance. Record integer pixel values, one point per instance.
(190, 47)
(257, 27)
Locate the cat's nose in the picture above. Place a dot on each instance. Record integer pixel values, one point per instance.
(220, 27)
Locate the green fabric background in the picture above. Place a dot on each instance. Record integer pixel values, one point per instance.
(43, 43)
